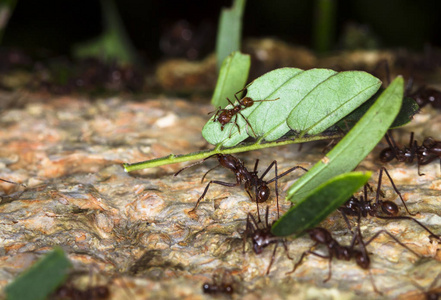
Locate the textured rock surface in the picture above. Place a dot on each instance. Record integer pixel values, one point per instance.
(136, 227)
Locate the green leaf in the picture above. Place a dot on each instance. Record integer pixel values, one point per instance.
(229, 31)
(40, 280)
(113, 44)
(408, 109)
(321, 202)
(309, 101)
(356, 145)
(232, 78)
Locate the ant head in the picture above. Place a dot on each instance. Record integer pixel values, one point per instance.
(387, 155)
(362, 260)
(247, 102)
(206, 287)
(257, 248)
(389, 208)
(228, 289)
(263, 193)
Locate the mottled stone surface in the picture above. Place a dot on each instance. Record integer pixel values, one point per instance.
(136, 227)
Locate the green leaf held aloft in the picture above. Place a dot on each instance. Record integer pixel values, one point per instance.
(229, 33)
(356, 145)
(321, 202)
(308, 102)
(232, 78)
(40, 280)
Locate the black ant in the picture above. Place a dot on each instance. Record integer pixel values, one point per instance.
(218, 286)
(424, 154)
(262, 237)
(363, 207)
(322, 236)
(425, 95)
(252, 183)
(224, 115)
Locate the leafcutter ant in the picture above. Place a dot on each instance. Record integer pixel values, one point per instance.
(253, 184)
(224, 115)
(362, 207)
(322, 236)
(262, 237)
(219, 285)
(424, 154)
(425, 95)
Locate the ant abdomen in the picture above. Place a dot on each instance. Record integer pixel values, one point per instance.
(389, 208)
(387, 155)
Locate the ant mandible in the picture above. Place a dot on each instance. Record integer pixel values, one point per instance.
(424, 154)
(224, 115)
(262, 237)
(322, 236)
(362, 207)
(251, 181)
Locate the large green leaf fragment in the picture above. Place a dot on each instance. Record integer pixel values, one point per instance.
(331, 100)
(356, 145)
(307, 101)
(229, 32)
(321, 202)
(232, 78)
(39, 281)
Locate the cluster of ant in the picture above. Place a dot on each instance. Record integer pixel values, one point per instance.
(360, 207)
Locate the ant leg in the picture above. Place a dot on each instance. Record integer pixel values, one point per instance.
(272, 259)
(393, 185)
(255, 165)
(373, 284)
(203, 177)
(285, 246)
(416, 221)
(287, 172)
(12, 182)
(206, 189)
(235, 95)
(394, 238)
(248, 124)
(194, 164)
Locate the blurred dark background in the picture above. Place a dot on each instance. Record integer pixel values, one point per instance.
(156, 28)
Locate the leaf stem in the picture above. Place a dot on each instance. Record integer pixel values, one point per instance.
(173, 159)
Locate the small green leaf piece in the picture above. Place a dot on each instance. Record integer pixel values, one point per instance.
(40, 280)
(356, 145)
(321, 202)
(229, 33)
(232, 78)
(307, 101)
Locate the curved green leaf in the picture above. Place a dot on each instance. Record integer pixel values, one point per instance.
(321, 202)
(309, 101)
(233, 76)
(40, 280)
(354, 147)
(331, 100)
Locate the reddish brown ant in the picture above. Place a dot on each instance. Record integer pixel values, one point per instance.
(425, 95)
(100, 292)
(424, 154)
(362, 207)
(218, 286)
(322, 236)
(224, 115)
(262, 237)
(252, 183)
